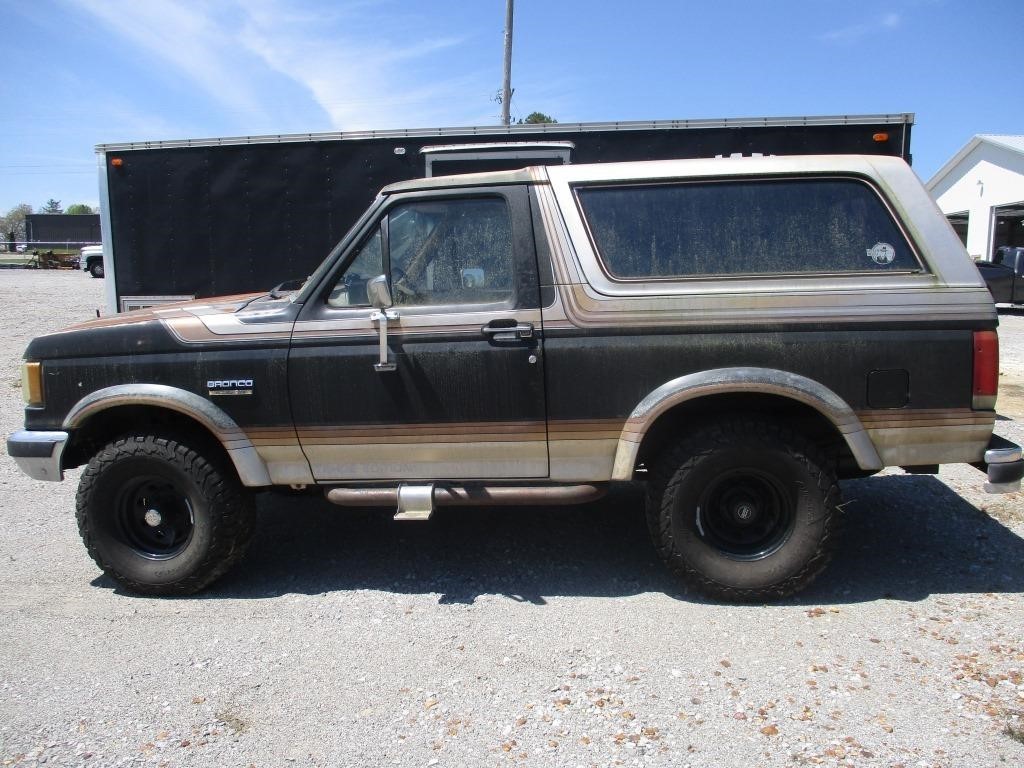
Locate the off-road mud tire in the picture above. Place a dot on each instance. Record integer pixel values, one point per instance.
(207, 489)
(789, 468)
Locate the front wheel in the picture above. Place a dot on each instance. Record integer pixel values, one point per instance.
(744, 510)
(96, 269)
(160, 518)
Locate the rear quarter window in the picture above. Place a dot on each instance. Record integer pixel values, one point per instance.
(756, 227)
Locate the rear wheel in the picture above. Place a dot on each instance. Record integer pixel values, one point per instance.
(744, 510)
(160, 518)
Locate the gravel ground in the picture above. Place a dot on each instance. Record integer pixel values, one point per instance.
(534, 637)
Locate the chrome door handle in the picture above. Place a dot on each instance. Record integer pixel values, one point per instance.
(381, 317)
(508, 330)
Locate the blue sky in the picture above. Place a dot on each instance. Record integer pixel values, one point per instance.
(81, 72)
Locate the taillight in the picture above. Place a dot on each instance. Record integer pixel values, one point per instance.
(986, 370)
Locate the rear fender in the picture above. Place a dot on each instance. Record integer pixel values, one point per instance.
(739, 380)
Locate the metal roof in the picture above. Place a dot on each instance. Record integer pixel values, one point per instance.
(1012, 142)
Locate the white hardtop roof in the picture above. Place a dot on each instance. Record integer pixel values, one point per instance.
(485, 178)
(658, 169)
(1012, 142)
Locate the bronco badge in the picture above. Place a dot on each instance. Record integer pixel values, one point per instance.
(229, 386)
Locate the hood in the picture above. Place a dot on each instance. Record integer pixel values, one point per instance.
(219, 304)
(167, 327)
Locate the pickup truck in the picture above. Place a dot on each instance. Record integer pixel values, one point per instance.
(1004, 275)
(91, 260)
(736, 334)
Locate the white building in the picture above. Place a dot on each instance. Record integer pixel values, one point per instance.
(981, 191)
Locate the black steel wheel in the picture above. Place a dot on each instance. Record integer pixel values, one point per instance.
(160, 517)
(744, 510)
(155, 517)
(746, 514)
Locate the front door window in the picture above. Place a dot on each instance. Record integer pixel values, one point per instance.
(451, 252)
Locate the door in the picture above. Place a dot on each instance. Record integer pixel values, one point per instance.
(460, 393)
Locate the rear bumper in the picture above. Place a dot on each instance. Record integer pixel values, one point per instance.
(38, 453)
(1004, 466)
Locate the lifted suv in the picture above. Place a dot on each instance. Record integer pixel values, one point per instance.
(736, 333)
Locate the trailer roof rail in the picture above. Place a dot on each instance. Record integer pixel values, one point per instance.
(903, 118)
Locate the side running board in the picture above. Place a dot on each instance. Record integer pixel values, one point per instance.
(417, 502)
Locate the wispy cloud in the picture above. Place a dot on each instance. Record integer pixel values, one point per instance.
(190, 39)
(856, 32)
(340, 57)
(359, 80)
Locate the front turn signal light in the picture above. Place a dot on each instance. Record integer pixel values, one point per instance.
(32, 383)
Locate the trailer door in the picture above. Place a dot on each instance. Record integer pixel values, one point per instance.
(448, 382)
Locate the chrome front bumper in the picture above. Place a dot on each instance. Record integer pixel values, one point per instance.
(38, 453)
(1004, 466)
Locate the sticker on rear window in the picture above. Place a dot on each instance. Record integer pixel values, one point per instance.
(882, 253)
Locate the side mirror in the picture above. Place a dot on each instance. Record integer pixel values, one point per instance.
(378, 293)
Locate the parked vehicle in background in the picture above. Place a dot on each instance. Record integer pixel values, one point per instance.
(256, 211)
(1004, 275)
(736, 334)
(91, 260)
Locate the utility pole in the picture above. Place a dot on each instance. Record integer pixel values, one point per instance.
(506, 87)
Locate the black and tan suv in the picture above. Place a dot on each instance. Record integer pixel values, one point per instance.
(738, 334)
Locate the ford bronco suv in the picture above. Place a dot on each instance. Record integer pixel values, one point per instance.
(737, 334)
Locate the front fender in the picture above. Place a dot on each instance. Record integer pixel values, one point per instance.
(252, 470)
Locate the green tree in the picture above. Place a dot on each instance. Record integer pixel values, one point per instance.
(537, 117)
(79, 208)
(12, 224)
(51, 206)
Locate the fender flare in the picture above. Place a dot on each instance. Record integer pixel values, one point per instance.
(252, 470)
(720, 381)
